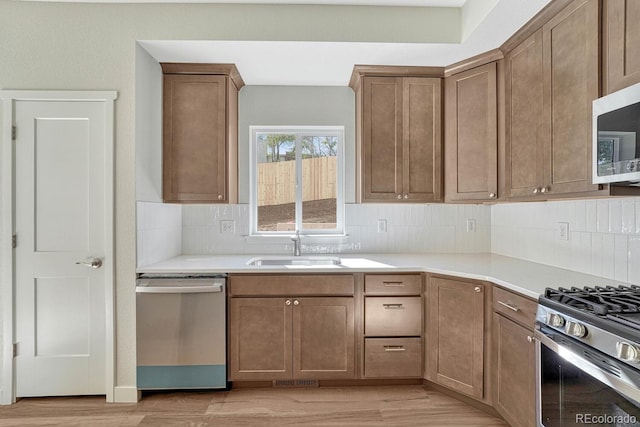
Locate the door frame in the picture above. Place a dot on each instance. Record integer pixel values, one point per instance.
(7, 277)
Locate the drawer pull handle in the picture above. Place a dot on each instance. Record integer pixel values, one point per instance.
(509, 306)
(388, 306)
(394, 348)
(393, 284)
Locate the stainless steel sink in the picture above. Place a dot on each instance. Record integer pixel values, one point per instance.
(295, 261)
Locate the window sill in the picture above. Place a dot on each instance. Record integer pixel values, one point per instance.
(305, 239)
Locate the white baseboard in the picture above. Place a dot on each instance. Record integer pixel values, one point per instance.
(126, 395)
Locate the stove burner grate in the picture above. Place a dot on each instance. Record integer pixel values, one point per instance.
(599, 300)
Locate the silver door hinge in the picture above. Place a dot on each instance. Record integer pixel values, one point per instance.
(14, 241)
(13, 133)
(15, 349)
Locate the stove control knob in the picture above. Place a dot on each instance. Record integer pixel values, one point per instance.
(555, 320)
(628, 352)
(576, 330)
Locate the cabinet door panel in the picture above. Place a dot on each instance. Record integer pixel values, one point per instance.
(456, 336)
(571, 80)
(324, 338)
(422, 139)
(194, 138)
(471, 134)
(622, 44)
(515, 373)
(260, 331)
(382, 138)
(524, 76)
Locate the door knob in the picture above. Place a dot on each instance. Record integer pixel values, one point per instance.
(91, 262)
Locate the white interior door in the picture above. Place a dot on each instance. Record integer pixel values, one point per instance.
(60, 220)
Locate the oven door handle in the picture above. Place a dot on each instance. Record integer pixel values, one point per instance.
(623, 387)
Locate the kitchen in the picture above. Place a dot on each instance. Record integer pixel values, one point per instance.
(602, 232)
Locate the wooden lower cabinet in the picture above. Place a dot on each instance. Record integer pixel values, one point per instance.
(455, 342)
(514, 387)
(291, 338)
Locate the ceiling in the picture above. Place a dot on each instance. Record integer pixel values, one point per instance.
(483, 27)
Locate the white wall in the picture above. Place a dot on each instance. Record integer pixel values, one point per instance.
(91, 46)
(604, 235)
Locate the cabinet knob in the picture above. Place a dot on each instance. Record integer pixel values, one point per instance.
(287, 302)
(296, 302)
(406, 196)
(544, 189)
(530, 338)
(477, 289)
(536, 190)
(399, 196)
(492, 195)
(220, 197)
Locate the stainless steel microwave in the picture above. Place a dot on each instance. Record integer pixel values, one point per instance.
(616, 128)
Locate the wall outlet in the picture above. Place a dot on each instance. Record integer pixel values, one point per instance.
(382, 226)
(471, 226)
(227, 226)
(563, 231)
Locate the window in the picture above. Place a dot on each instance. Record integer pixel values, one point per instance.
(296, 180)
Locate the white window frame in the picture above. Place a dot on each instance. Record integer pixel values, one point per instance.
(299, 131)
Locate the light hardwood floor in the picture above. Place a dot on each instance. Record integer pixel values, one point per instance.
(411, 405)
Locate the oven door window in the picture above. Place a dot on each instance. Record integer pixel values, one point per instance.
(571, 397)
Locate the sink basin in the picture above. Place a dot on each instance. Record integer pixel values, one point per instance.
(295, 261)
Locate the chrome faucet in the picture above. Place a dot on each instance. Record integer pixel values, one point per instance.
(296, 244)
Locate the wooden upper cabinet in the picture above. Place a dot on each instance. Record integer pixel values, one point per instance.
(200, 120)
(399, 126)
(621, 44)
(570, 43)
(471, 135)
(552, 78)
(524, 119)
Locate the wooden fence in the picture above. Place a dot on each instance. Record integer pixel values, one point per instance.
(277, 181)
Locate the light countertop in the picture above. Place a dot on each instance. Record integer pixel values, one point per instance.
(527, 278)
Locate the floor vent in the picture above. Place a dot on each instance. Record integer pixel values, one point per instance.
(296, 383)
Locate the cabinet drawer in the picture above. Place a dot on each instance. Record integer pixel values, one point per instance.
(396, 284)
(392, 316)
(392, 357)
(265, 285)
(513, 306)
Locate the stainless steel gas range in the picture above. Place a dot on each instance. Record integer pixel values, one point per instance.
(588, 357)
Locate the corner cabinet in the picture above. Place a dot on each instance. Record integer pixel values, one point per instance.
(200, 137)
(471, 135)
(551, 80)
(291, 327)
(455, 350)
(621, 33)
(398, 127)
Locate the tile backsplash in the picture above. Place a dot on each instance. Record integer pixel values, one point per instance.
(159, 232)
(222, 229)
(603, 235)
(600, 237)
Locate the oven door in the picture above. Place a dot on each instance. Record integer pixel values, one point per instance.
(577, 385)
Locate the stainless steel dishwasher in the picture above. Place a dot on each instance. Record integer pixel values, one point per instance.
(181, 332)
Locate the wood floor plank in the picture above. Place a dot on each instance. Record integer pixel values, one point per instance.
(368, 406)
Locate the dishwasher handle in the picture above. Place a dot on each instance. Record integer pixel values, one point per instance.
(179, 289)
